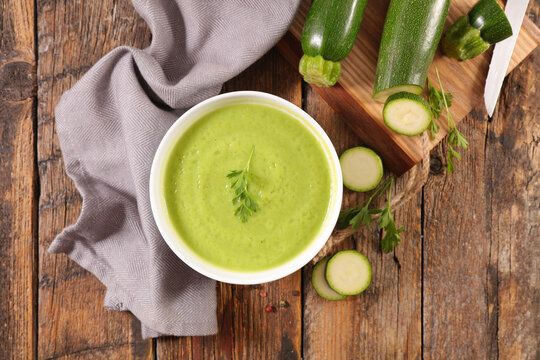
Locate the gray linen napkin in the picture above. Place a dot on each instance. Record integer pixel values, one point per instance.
(110, 125)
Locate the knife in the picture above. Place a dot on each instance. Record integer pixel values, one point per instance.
(515, 12)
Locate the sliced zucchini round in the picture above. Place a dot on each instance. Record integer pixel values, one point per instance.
(348, 272)
(362, 169)
(318, 280)
(407, 113)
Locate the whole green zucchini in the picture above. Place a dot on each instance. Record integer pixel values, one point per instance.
(411, 33)
(472, 34)
(328, 36)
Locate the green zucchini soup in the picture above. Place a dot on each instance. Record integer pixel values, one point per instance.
(290, 181)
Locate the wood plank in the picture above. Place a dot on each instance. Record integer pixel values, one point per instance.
(456, 253)
(246, 331)
(73, 323)
(352, 98)
(384, 321)
(18, 266)
(512, 182)
(481, 227)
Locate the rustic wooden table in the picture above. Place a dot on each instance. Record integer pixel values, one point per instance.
(463, 284)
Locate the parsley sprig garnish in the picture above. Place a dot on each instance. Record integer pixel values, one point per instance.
(240, 180)
(436, 100)
(354, 217)
(455, 138)
(386, 221)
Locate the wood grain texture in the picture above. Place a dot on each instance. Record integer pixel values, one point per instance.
(352, 99)
(512, 179)
(17, 181)
(456, 251)
(481, 288)
(463, 283)
(384, 321)
(246, 330)
(72, 36)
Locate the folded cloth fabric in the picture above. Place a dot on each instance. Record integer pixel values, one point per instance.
(110, 125)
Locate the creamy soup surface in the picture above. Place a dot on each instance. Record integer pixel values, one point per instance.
(290, 180)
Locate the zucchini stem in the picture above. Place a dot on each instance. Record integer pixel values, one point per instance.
(472, 34)
(318, 71)
(462, 41)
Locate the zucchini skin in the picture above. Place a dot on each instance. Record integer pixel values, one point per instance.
(412, 97)
(411, 33)
(488, 17)
(472, 34)
(331, 28)
(328, 36)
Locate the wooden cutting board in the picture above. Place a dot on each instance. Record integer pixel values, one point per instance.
(351, 97)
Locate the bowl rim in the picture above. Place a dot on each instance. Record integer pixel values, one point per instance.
(157, 200)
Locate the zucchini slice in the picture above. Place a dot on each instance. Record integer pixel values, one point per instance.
(318, 280)
(411, 33)
(348, 272)
(362, 169)
(406, 113)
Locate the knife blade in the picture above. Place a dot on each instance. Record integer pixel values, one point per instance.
(515, 12)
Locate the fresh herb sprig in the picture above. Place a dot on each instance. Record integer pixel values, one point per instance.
(361, 214)
(354, 217)
(240, 180)
(455, 138)
(436, 100)
(386, 221)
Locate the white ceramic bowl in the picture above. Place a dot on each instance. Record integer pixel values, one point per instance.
(159, 207)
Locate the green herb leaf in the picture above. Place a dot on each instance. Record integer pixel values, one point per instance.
(455, 138)
(461, 141)
(345, 217)
(385, 219)
(436, 101)
(450, 159)
(234, 173)
(354, 217)
(363, 216)
(240, 184)
(391, 238)
(356, 220)
(433, 129)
